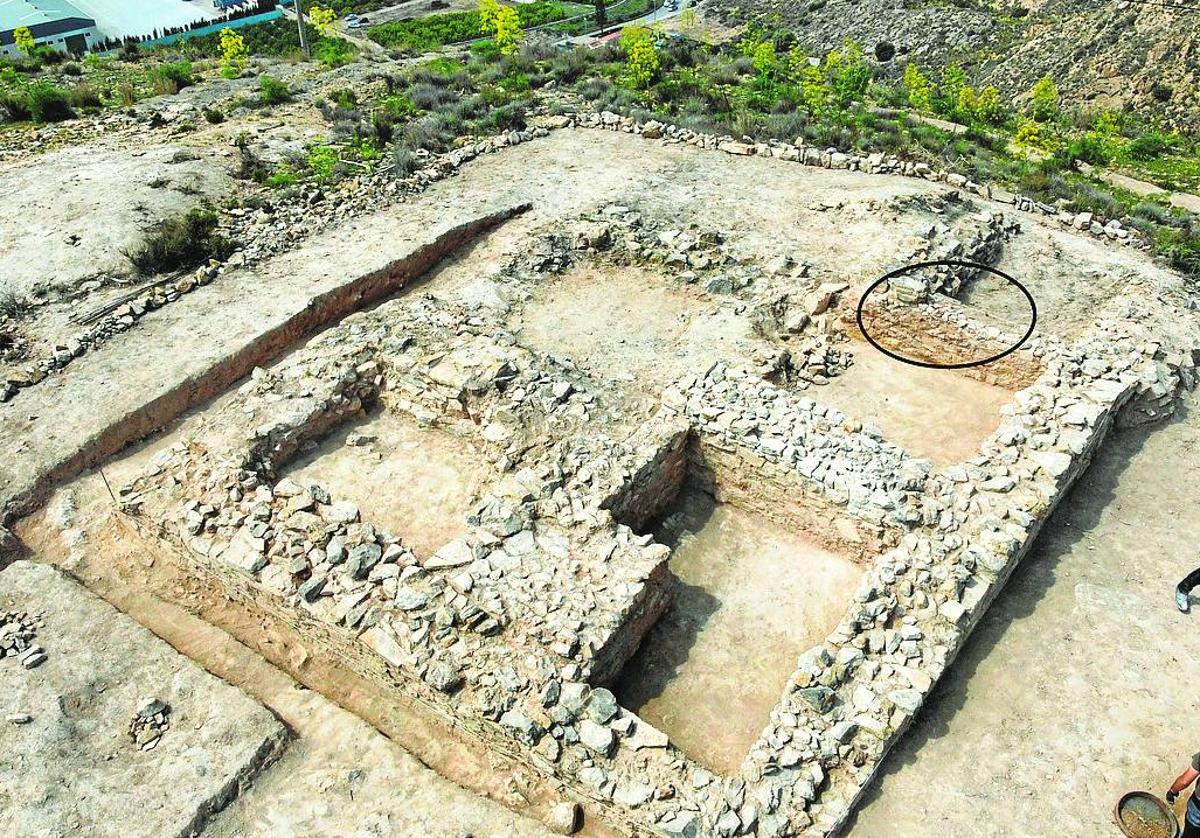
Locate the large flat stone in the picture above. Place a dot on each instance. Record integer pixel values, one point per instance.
(73, 769)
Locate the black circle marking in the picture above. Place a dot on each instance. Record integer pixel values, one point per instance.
(954, 263)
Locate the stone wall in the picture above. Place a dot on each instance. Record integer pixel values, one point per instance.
(510, 631)
(941, 333)
(656, 482)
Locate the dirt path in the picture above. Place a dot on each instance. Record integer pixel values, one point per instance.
(1080, 682)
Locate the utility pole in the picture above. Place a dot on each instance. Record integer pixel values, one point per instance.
(300, 24)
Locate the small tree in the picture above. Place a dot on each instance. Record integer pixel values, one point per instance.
(508, 30)
(322, 19)
(641, 58)
(488, 9)
(234, 53)
(848, 73)
(763, 58)
(964, 107)
(23, 38)
(797, 62)
(954, 79)
(815, 88)
(1028, 135)
(988, 108)
(918, 87)
(1044, 105)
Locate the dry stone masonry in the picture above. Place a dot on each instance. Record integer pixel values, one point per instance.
(515, 631)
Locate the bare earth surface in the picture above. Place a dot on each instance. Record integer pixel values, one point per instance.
(628, 326)
(73, 769)
(1080, 683)
(750, 598)
(936, 414)
(69, 216)
(416, 482)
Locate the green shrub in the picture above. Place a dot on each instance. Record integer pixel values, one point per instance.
(49, 56)
(1180, 247)
(1090, 149)
(334, 52)
(403, 161)
(213, 116)
(429, 97)
(281, 178)
(1044, 100)
(345, 98)
(14, 103)
(1148, 146)
(272, 90)
(398, 107)
(322, 162)
(172, 77)
(12, 304)
(179, 243)
(84, 96)
(47, 102)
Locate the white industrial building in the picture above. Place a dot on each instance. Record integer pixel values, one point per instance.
(53, 23)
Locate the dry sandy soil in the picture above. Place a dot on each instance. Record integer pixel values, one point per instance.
(70, 216)
(1080, 682)
(750, 598)
(416, 482)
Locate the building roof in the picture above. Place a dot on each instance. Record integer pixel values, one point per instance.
(31, 13)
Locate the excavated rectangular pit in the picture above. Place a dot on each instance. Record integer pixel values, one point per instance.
(630, 326)
(415, 482)
(752, 590)
(938, 413)
(749, 599)
(932, 413)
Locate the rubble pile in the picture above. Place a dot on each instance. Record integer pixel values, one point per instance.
(18, 631)
(149, 723)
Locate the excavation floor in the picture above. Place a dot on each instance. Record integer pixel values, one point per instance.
(750, 600)
(631, 327)
(410, 481)
(936, 414)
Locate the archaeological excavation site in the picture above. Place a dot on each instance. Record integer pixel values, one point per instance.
(603, 477)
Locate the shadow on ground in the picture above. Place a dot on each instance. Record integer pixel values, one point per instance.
(1078, 513)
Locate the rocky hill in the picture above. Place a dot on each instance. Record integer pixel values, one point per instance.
(1142, 54)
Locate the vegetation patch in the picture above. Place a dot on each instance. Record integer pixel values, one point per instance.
(181, 242)
(429, 33)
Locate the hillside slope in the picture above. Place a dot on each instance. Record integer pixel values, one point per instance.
(1101, 53)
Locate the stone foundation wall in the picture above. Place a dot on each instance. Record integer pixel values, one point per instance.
(736, 477)
(656, 482)
(940, 334)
